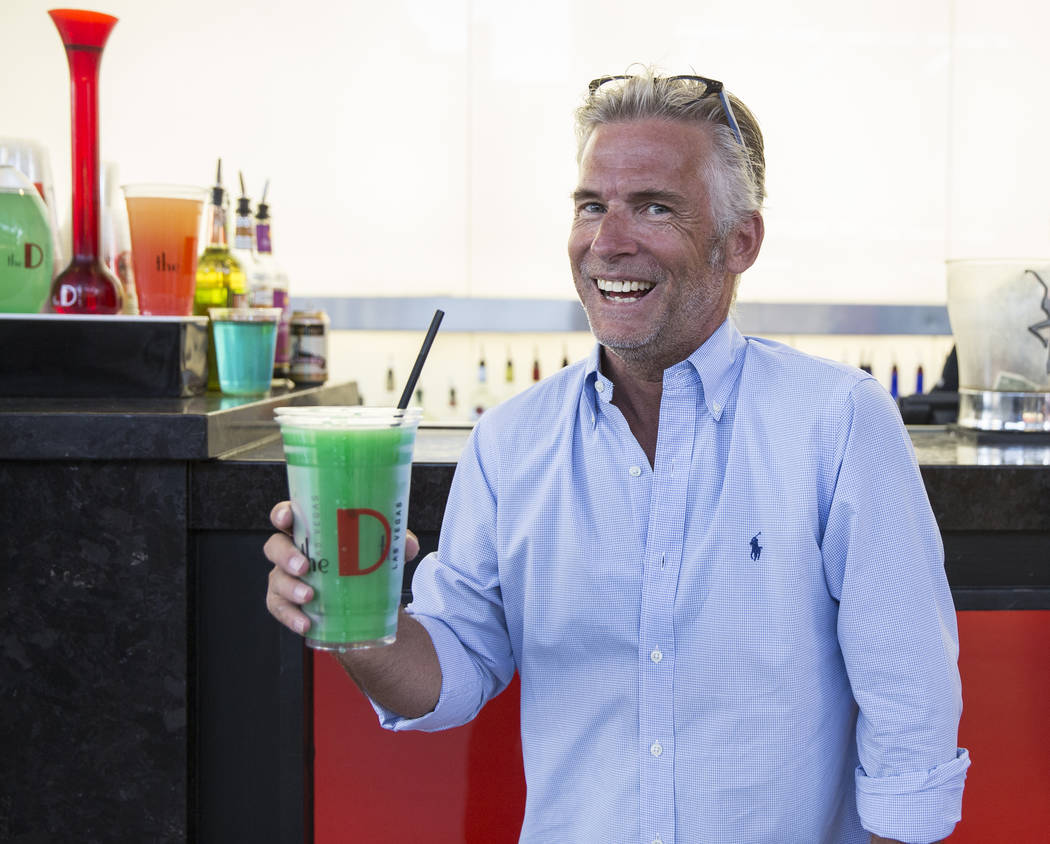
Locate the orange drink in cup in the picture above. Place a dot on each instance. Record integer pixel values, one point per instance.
(165, 223)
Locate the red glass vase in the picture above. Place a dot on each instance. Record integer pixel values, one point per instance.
(86, 286)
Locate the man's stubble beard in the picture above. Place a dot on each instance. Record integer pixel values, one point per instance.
(701, 300)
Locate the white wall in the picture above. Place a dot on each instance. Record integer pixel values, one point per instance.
(425, 146)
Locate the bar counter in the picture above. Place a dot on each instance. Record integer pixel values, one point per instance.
(146, 690)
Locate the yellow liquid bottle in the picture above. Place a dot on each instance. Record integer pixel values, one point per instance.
(221, 281)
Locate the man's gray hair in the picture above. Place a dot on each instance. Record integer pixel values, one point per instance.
(735, 176)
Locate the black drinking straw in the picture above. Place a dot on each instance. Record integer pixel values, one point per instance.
(420, 360)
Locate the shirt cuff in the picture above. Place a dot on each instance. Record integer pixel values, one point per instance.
(918, 808)
(461, 687)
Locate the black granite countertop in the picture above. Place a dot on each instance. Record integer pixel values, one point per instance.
(196, 428)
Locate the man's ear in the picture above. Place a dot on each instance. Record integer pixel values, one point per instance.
(743, 244)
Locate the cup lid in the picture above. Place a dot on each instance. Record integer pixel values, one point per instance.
(358, 416)
(245, 314)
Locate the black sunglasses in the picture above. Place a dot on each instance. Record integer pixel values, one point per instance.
(711, 87)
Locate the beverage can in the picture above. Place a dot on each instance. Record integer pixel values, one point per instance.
(308, 348)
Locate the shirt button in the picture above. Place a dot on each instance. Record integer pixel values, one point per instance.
(655, 655)
(715, 407)
(599, 386)
(657, 841)
(635, 471)
(656, 749)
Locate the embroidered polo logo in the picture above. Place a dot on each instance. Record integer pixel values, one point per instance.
(756, 549)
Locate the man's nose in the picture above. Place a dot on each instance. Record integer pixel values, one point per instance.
(614, 237)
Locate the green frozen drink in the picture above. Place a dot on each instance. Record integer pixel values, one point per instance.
(349, 470)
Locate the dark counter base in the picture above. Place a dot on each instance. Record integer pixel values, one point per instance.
(998, 570)
(93, 672)
(251, 764)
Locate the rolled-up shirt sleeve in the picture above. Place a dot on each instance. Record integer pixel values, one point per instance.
(884, 563)
(457, 599)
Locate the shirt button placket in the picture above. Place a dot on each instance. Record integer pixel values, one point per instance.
(656, 750)
(656, 630)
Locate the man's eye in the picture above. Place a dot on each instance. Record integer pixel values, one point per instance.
(591, 208)
(656, 209)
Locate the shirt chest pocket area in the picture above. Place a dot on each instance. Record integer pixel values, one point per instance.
(757, 585)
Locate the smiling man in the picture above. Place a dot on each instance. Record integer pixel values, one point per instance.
(709, 557)
(654, 269)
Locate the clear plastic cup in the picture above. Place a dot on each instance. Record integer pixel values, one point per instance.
(349, 471)
(245, 344)
(165, 224)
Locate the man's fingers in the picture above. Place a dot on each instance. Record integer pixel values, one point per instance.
(281, 516)
(284, 596)
(288, 614)
(286, 593)
(411, 545)
(280, 551)
(289, 588)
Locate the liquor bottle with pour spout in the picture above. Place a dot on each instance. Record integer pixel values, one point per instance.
(270, 289)
(220, 278)
(244, 243)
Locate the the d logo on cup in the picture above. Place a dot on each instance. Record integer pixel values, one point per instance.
(348, 524)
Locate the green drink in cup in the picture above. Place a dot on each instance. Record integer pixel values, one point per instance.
(349, 470)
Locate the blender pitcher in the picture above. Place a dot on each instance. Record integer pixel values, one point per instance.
(1000, 316)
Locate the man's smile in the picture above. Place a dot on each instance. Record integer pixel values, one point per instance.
(623, 290)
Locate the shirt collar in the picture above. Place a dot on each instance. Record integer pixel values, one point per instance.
(715, 365)
(718, 363)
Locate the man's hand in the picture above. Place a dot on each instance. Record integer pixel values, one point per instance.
(404, 677)
(286, 592)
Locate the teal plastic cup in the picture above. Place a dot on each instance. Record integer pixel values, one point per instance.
(245, 344)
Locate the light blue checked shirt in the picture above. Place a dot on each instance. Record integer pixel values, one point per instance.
(752, 642)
